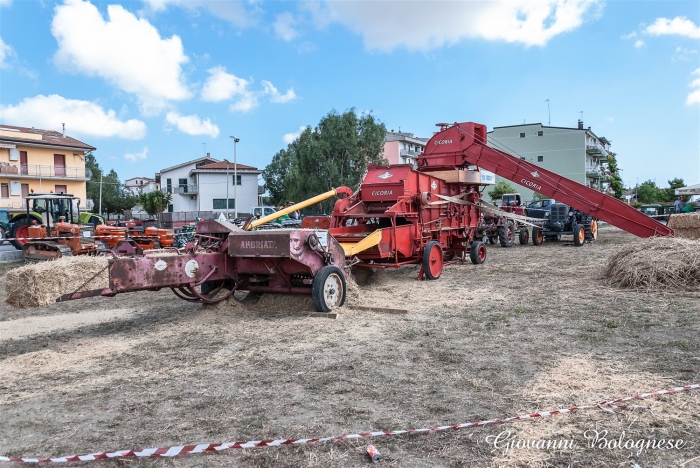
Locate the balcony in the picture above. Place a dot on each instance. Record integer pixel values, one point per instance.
(12, 203)
(594, 172)
(45, 172)
(596, 151)
(185, 189)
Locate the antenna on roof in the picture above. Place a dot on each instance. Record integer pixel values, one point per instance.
(549, 115)
(64, 130)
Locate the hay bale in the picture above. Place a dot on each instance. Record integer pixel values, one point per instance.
(684, 221)
(656, 263)
(39, 284)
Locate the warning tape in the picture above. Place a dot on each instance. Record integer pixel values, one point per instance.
(610, 406)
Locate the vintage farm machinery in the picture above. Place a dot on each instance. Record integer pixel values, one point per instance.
(399, 215)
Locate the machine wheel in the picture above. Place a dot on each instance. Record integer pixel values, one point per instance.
(506, 234)
(432, 260)
(102, 248)
(19, 233)
(3, 235)
(591, 226)
(579, 235)
(492, 240)
(477, 253)
(524, 236)
(537, 236)
(328, 290)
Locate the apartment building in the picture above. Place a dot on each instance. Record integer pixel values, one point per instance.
(575, 153)
(403, 147)
(42, 161)
(139, 185)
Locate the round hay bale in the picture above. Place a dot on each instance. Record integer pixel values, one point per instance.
(656, 263)
(39, 284)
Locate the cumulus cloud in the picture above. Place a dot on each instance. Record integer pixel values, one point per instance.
(694, 95)
(639, 44)
(239, 13)
(82, 118)
(275, 95)
(428, 25)
(678, 26)
(221, 85)
(284, 26)
(288, 138)
(192, 124)
(126, 51)
(136, 157)
(248, 102)
(6, 52)
(5, 3)
(683, 55)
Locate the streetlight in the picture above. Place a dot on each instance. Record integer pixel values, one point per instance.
(235, 180)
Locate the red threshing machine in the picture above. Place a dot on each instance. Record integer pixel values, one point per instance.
(398, 216)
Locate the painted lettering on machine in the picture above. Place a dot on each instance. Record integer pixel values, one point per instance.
(443, 142)
(261, 244)
(531, 184)
(378, 193)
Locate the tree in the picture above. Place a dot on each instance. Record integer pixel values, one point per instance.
(335, 153)
(501, 188)
(648, 192)
(672, 186)
(539, 196)
(613, 177)
(155, 202)
(116, 198)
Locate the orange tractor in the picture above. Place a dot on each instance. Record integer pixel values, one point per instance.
(150, 238)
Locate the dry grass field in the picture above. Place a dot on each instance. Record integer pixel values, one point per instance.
(534, 328)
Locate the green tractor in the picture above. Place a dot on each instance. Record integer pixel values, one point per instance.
(47, 206)
(4, 225)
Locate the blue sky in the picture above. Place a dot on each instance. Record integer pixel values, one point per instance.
(157, 82)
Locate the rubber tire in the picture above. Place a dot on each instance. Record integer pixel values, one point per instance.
(524, 236)
(492, 240)
(503, 234)
(426, 260)
(318, 287)
(474, 253)
(3, 235)
(537, 237)
(13, 232)
(579, 234)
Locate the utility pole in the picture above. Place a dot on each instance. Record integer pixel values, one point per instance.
(549, 115)
(100, 210)
(235, 179)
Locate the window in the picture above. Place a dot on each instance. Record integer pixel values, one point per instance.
(170, 208)
(238, 180)
(540, 133)
(540, 158)
(5, 190)
(220, 203)
(169, 185)
(522, 135)
(182, 183)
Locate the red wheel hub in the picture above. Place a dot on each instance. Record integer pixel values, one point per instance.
(435, 265)
(22, 234)
(481, 252)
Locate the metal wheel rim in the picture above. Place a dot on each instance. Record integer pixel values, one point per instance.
(435, 262)
(581, 235)
(481, 252)
(540, 236)
(510, 234)
(594, 229)
(22, 234)
(332, 290)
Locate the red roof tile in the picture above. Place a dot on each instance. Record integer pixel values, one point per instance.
(49, 137)
(222, 165)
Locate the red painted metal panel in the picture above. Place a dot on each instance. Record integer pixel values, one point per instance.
(464, 144)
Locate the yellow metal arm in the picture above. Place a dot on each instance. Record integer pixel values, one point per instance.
(299, 206)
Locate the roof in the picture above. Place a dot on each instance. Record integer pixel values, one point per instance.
(194, 161)
(48, 137)
(144, 178)
(588, 129)
(404, 136)
(222, 165)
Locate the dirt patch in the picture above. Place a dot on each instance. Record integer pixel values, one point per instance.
(533, 328)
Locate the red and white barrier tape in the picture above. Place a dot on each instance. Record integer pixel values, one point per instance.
(608, 405)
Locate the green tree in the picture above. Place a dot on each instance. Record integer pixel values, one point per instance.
(538, 196)
(613, 177)
(155, 202)
(648, 192)
(335, 153)
(499, 189)
(116, 198)
(671, 190)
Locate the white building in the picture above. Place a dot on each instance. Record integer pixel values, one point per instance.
(139, 185)
(203, 185)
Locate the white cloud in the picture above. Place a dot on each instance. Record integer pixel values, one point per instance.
(610, 119)
(248, 102)
(82, 118)
(683, 55)
(288, 138)
(221, 85)
(126, 51)
(192, 124)
(639, 44)
(678, 26)
(428, 25)
(694, 95)
(284, 26)
(5, 3)
(6, 52)
(239, 13)
(631, 35)
(136, 157)
(275, 95)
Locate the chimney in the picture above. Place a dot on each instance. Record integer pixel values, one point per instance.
(208, 155)
(580, 124)
(64, 130)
